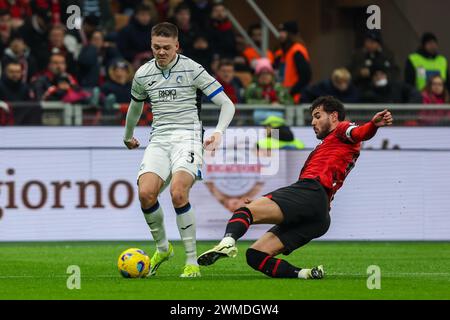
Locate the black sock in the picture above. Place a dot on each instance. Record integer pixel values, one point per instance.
(273, 267)
(239, 223)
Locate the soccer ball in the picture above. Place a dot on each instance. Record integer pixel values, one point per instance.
(133, 263)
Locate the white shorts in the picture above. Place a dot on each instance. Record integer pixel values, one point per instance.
(165, 157)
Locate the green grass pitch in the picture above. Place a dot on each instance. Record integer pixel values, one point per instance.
(409, 270)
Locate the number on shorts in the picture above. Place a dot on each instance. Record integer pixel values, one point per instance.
(191, 159)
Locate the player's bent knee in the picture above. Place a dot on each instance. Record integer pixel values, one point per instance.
(255, 258)
(179, 197)
(147, 198)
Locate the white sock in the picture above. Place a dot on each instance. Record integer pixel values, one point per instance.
(155, 220)
(304, 273)
(227, 241)
(186, 227)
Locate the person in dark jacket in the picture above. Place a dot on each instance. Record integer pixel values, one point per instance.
(384, 90)
(221, 35)
(339, 86)
(12, 88)
(202, 52)
(425, 63)
(187, 29)
(134, 39)
(372, 53)
(13, 94)
(118, 88)
(35, 33)
(95, 59)
(18, 51)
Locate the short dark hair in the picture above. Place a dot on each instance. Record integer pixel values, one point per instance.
(165, 29)
(181, 7)
(330, 104)
(142, 7)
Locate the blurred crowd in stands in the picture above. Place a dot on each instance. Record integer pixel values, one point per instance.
(43, 60)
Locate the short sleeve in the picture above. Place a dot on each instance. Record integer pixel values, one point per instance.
(138, 92)
(205, 82)
(344, 129)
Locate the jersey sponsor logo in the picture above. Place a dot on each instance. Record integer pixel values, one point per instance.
(168, 94)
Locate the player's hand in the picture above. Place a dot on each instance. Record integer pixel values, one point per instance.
(248, 201)
(132, 144)
(213, 142)
(383, 118)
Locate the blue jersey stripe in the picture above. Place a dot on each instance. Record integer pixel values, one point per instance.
(215, 93)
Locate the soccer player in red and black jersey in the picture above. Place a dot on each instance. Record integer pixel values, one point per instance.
(300, 211)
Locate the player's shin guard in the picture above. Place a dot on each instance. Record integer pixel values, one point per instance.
(155, 220)
(273, 267)
(186, 227)
(239, 223)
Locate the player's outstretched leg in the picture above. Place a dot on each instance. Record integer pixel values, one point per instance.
(149, 186)
(262, 210)
(279, 268)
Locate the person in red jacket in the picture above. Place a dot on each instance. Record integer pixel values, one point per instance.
(435, 92)
(300, 211)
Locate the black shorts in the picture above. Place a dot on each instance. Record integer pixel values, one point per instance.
(305, 207)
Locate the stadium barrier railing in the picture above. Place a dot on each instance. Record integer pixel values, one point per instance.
(66, 114)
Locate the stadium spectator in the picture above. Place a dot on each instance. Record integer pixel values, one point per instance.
(384, 90)
(134, 39)
(200, 12)
(23, 9)
(66, 91)
(372, 53)
(201, 51)
(221, 35)
(164, 8)
(12, 87)
(95, 59)
(283, 139)
(250, 53)
(426, 62)
(118, 88)
(434, 92)
(187, 30)
(5, 29)
(35, 32)
(17, 9)
(13, 93)
(56, 45)
(232, 86)
(42, 81)
(264, 90)
(292, 60)
(339, 86)
(19, 52)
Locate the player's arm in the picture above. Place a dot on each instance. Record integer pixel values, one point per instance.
(227, 110)
(138, 96)
(368, 130)
(133, 114)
